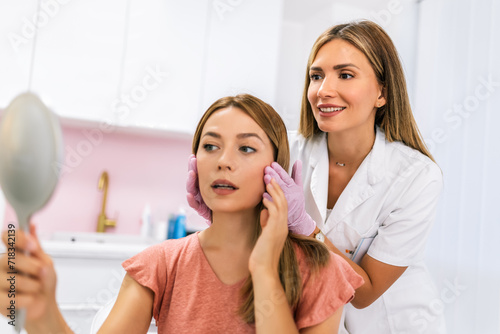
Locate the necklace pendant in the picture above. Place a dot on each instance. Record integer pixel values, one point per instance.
(339, 164)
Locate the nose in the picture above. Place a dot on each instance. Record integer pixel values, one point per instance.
(328, 88)
(226, 161)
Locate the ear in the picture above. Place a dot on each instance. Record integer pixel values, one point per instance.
(381, 100)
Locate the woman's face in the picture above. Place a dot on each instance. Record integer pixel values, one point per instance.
(344, 92)
(231, 157)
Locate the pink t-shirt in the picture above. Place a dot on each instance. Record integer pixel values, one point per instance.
(190, 298)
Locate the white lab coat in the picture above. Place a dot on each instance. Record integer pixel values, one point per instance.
(391, 200)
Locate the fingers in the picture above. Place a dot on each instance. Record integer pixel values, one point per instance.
(264, 216)
(270, 173)
(21, 280)
(192, 164)
(297, 172)
(192, 182)
(206, 213)
(22, 301)
(21, 263)
(19, 240)
(283, 174)
(22, 267)
(276, 199)
(192, 201)
(267, 175)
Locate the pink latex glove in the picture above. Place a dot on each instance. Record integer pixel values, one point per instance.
(299, 221)
(193, 191)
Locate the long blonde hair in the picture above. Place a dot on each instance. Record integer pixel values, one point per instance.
(316, 253)
(395, 118)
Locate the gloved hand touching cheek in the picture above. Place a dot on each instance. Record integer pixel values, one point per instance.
(194, 196)
(299, 221)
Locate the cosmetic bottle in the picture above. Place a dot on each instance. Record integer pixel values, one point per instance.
(180, 225)
(171, 226)
(146, 222)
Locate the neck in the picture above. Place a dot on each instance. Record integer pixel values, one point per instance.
(232, 231)
(349, 148)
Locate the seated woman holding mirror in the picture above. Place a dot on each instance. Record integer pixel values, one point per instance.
(245, 273)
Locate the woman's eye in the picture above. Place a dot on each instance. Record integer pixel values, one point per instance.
(209, 147)
(247, 149)
(315, 77)
(346, 76)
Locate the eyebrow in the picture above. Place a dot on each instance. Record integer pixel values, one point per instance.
(248, 135)
(239, 136)
(336, 67)
(211, 134)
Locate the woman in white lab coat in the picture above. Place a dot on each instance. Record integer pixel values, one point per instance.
(369, 183)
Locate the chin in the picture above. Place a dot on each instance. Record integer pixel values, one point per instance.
(231, 207)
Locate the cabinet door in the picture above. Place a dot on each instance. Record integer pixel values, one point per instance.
(243, 46)
(163, 64)
(17, 31)
(77, 62)
(131, 63)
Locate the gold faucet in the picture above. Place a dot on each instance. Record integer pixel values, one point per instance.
(102, 221)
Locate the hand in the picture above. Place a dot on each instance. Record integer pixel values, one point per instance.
(273, 220)
(35, 280)
(299, 221)
(193, 196)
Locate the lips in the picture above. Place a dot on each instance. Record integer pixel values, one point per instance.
(223, 184)
(330, 108)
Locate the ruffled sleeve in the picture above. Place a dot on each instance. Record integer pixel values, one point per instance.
(326, 291)
(148, 268)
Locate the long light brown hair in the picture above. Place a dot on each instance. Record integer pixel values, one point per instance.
(395, 118)
(316, 253)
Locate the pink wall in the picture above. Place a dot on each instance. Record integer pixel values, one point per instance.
(143, 168)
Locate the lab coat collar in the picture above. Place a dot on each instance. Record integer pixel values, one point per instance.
(319, 149)
(376, 158)
(359, 188)
(318, 163)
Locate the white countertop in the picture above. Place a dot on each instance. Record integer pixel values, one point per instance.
(87, 245)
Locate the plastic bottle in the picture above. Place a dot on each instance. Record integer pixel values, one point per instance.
(171, 226)
(180, 225)
(160, 230)
(146, 222)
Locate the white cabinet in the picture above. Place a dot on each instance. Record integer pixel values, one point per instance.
(141, 63)
(242, 49)
(77, 59)
(89, 275)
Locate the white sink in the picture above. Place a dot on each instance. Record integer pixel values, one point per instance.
(100, 238)
(95, 245)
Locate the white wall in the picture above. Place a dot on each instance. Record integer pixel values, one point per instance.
(304, 21)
